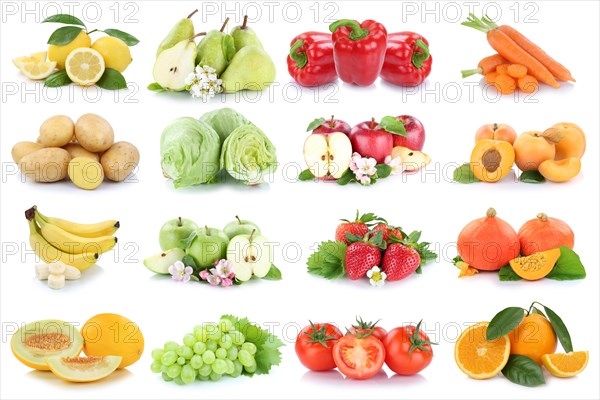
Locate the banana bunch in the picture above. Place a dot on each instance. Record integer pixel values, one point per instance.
(77, 245)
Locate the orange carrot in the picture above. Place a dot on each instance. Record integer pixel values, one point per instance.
(508, 49)
(516, 70)
(490, 77)
(505, 84)
(557, 69)
(528, 84)
(502, 68)
(486, 65)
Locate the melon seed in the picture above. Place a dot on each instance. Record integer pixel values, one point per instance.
(48, 341)
(491, 160)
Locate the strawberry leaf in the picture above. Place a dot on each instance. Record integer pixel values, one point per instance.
(328, 260)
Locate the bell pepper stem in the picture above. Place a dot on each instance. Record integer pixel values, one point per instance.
(418, 58)
(357, 33)
(300, 58)
(468, 72)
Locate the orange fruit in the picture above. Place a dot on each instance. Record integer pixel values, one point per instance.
(566, 365)
(113, 335)
(533, 338)
(478, 357)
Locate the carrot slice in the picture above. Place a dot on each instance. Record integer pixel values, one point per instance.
(490, 77)
(505, 84)
(516, 70)
(502, 68)
(528, 84)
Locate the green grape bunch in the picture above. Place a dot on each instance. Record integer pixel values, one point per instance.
(216, 350)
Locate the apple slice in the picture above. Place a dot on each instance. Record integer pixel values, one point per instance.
(328, 156)
(411, 160)
(250, 255)
(160, 263)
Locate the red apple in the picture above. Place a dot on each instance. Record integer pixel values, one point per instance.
(332, 125)
(369, 139)
(415, 133)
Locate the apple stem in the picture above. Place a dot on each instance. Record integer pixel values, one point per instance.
(245, 23)
(332, 122)
(224, 24)
(373, 123)
(251, 235)
(207, 230)
(192, 14)
(239, 220)
(179, 222)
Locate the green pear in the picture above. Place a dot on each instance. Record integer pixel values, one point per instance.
(184, 29)
(216, 50)
(250, 69)
(250, 255)
(173, 65)
(245, 36)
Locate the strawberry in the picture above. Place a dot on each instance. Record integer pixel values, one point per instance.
(389, 231)
(362, 255)
(358, 227)
(400, 261)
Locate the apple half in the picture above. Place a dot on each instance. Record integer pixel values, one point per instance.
(328, 156)
(250, 255)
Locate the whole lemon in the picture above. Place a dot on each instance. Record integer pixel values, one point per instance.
(60, 53)
(115, 52)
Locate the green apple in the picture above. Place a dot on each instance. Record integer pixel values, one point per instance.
(240, 227)
(175, 232)
(250, 255)
(208, 246)
(160, 263)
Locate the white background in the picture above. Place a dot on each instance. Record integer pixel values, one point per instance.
(304, 213)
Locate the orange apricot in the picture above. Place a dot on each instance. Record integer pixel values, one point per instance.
(492, 160)
(531, 149)
(561, 170)
(572, 143)
(496, 132)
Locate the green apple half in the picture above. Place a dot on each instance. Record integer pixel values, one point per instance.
(160, 263)
(208, 246)
(240, 227)
(250, 255)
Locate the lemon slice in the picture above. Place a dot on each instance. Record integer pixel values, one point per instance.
(84, 66)
(35, 57)
(37, 70)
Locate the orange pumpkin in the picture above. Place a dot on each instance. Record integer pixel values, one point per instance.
(544, 233)
(488, 243)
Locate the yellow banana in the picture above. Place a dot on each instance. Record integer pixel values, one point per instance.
(49, 253)
(71, 243)
(104, 228)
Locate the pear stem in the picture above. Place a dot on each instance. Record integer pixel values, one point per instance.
(197, 34)
(245, 23)
(239, 220)
(207, 230)
(192, 14)
(224, 24)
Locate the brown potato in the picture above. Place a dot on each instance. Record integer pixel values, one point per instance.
(46, 165)
(21, 149)
(56, 131)
(75, 150)
(119, 161)
(85, 173)
(94, 133)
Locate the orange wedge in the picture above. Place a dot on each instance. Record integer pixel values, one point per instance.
(478, 357)
(565, 365)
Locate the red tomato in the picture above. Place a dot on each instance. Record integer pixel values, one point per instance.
(368, 328)
(408, 350)
(314, 346)
(359, 358)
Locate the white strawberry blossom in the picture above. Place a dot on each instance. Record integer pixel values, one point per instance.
(376, 276)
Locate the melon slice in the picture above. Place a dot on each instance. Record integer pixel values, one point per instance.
(83, 369)
(33, 343)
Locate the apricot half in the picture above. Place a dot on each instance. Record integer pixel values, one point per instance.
(492, 160)
(561, 170)
(572, 143)
(531, 149)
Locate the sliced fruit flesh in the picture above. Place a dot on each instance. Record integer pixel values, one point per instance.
(535, 266)
(36, 341)
(85, 65)
(566, 365)
(359, 357)
(83, 369)
(479, 358)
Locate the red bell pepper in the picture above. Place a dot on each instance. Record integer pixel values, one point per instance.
(407, 59)
(358, 50)
(310, 61)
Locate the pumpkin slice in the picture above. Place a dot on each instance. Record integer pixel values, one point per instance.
(535, 266)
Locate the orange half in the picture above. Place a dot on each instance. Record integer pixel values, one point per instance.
(478, 357)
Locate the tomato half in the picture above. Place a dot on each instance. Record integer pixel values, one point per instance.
(359, 358)
(314, 346)
(398, 354)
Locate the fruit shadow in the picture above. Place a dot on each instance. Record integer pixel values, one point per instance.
(87, 278)
(224, 180)
(323, 377)
(412, 380)
(51, 379)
